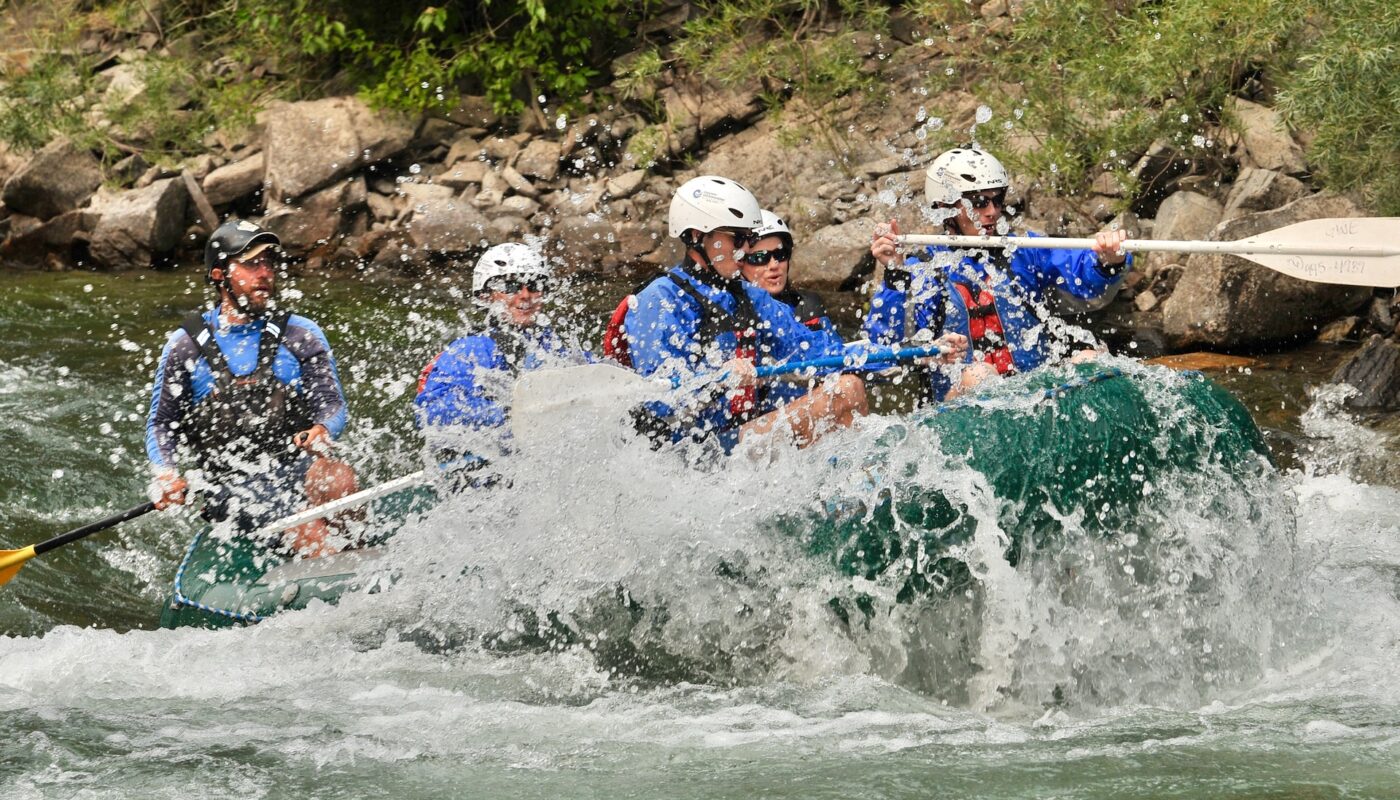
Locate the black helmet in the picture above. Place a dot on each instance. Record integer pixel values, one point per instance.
(234, 238)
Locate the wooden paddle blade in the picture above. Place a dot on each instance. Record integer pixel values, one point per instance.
(1356, 243)
(11, 561)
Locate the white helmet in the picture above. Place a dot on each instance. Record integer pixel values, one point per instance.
(709, 202)
(962, 170)
(511, 258)
(773, 225)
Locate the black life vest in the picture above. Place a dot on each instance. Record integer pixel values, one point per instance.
(805, 305)
(244, 419)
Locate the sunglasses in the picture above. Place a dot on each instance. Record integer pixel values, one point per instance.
(980, 201)
(743, 237)
(760, 258)
(514, 285)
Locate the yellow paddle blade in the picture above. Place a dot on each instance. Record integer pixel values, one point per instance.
(11, 561)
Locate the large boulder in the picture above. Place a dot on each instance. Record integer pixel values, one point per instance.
(136, 228)
(1266, 138)
(694, 108)
(829, 256)
(311, 144)
(1374, 371)
(585, 242)
(1261, 190)
(1182, 216)
(58, 178)
(778, 173)
(235, 181)
(1227, 302)
(35, 243)
(539, 159)
(318, 219)
(445, 226)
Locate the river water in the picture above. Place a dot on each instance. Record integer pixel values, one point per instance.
(1272, 678)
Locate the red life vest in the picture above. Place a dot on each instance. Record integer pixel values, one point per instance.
(985, 330)
(615, 334)
(428, 370)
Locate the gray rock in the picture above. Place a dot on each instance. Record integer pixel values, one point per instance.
(1227, 302)
(517, 182)
(1266, 138)
(1261, 190)
(1339, 330)
(473, 111)
(506, 227)
(58, 178)
(382, 207)
(311, 144)
(626, 184)
(1374, 371)
(493, 190)
(234, 181)
(34, 243)
(1183, 216)
(137, 227)
(446, 226)
(539, 159)
(499, 148)
(317, 219)
(463, 173)
(636, 239)
(513, 206)
(463, 148)
(584, 241)
(829, 256)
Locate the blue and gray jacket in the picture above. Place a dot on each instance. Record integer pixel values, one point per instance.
(673, 334)
(302, 367)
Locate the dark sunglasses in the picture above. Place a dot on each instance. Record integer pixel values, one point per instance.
(743, 237)
(980, 201)
(760, 258)
(514, 285)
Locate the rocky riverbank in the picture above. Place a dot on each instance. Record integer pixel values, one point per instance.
(351, 188)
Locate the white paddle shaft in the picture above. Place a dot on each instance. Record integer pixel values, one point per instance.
(1241, 247)
(349, 501)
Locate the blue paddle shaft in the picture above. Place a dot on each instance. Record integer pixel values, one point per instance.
(847, 361)
(853, 361)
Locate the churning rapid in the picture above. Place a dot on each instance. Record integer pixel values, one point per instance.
(910, 608)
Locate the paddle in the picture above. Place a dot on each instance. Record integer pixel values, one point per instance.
(12, 560)
(1362, 251)
(550, 391)
(349, 501)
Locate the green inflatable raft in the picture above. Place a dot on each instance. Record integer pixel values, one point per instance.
(1088, 443)
(230, 580)
(1085, 444)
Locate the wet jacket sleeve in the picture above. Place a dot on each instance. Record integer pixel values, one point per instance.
(1078, 272)
(785, 337)
(172, 395)
(456, 390)
(319, 379)
(884, 322)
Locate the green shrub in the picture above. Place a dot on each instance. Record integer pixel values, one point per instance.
(1345, 93)
(1099, 81)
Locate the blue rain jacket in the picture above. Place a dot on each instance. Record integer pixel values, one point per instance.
(468, 383)
(1031, 276)
(664, 339)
